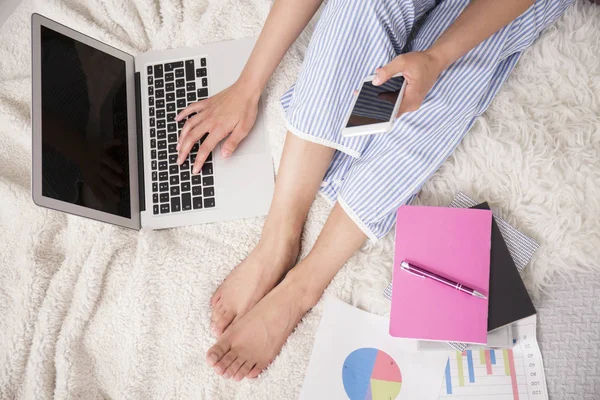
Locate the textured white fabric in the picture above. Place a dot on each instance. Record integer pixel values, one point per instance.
(91, 311)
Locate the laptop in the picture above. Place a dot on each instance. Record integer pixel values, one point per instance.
(105, 135)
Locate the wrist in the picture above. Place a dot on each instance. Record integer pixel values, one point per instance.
(250, 85)
(439, 58)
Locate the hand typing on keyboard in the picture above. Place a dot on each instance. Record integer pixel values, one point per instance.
(172, 87)
(229, 114)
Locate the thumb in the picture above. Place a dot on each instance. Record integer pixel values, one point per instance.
(384, 73)
(233, 141)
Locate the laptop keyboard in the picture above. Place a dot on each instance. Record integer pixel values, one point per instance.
(172, 87)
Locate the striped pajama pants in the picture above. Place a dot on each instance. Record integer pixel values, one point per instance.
(371, 176)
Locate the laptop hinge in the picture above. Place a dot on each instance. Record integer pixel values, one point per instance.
(140, 143)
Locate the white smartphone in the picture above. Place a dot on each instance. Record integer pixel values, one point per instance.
(374, 108)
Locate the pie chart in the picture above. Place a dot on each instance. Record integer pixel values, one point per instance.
(371, 374)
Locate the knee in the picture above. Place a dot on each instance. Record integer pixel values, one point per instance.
(352, 12)
(352, 25)
(369, 21)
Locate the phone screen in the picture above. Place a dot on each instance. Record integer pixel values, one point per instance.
(375, 104)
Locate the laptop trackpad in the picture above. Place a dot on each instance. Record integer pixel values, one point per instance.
(254, 143)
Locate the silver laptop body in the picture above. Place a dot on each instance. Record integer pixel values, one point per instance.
(104, 133)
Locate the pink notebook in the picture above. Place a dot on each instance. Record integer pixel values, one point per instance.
(454, 243)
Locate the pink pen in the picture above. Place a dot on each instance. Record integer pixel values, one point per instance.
(413, 269)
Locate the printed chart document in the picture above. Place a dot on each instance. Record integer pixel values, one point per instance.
(355, 358)
(509, 374)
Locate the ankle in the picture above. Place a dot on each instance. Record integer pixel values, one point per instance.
(277, 239)
(283, 226)
(304, 288)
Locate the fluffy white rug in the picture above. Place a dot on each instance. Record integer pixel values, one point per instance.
(92, 311)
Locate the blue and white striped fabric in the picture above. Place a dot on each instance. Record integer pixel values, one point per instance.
(371, 176)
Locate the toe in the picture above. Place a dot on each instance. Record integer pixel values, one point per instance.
(216, 353)
(217, 314)
(255, 372)
(217, 310)
(222, 322)
(225, 362)
(234, 368)
(243, 371)
(216, 297)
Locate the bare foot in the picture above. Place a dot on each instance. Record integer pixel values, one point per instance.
(251, 343)
(250, 281)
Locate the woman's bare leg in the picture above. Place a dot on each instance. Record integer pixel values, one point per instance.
(251, 343)
(303, 165)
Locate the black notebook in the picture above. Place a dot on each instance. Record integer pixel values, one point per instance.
(508, 297)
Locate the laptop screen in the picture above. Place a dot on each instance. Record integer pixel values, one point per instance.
(85, 155)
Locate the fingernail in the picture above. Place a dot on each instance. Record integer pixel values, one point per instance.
(178, 147)
(226, 153)
(196, 170)
(376, 81)
(177, 118)
(179, 161)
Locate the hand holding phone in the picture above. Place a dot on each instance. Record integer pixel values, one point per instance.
(374, 108)
(421, 70)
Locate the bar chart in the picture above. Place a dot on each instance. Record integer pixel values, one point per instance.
(505, 374)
